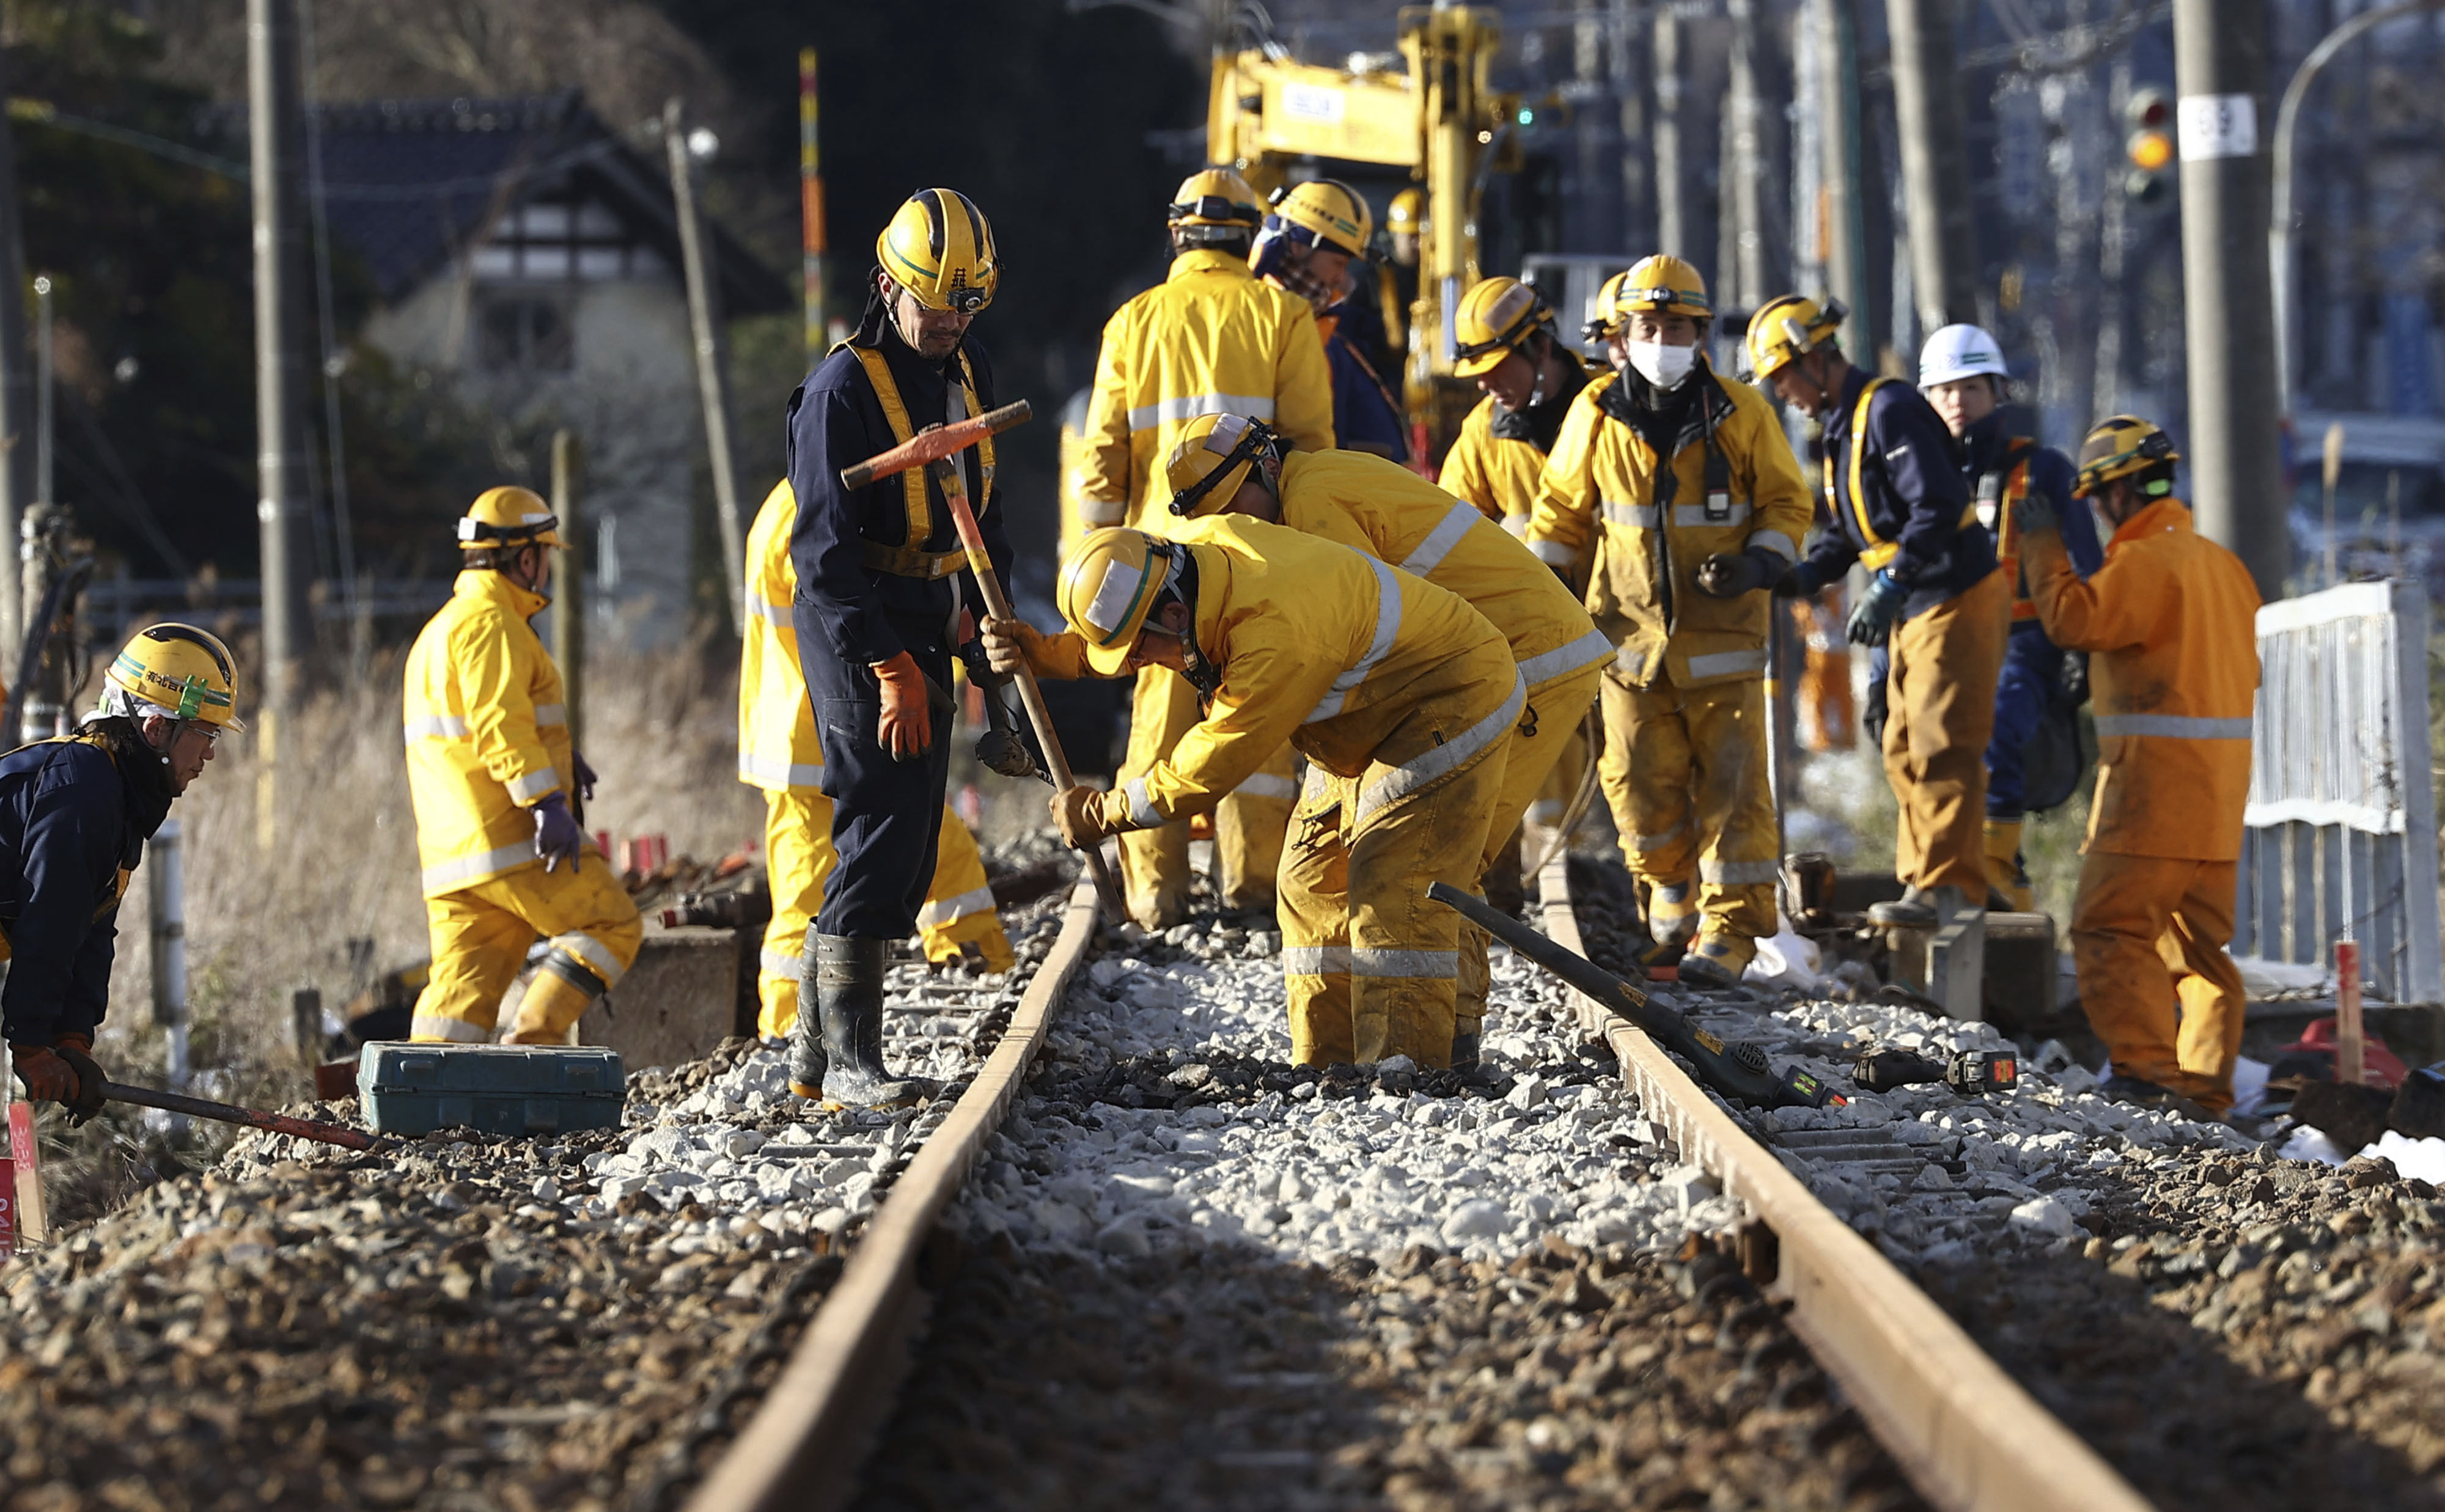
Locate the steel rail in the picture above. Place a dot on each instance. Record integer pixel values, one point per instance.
(1969, 1438)
(802, 1449)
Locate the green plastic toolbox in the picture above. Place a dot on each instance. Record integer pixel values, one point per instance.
(407, 1088)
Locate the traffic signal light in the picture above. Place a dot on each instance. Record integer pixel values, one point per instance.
(2149, 146)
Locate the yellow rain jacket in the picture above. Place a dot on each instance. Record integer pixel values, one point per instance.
(1348, 660)
(777, 748)
(1498, 474)
(487, 734)
(1209, 339)
(1650, 527)
(1374, 505)
(2171, 623)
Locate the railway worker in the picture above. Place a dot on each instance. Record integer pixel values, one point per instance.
(495, 778)
(1681, 486)
(2170, 624)
(1903, 509)
(1381, 678)
(1311, 236)
(75, 814)
(1232, 464)
(1211, 336)
(1510, 347)
(881, 582)
(778, 753)
(1961, 371)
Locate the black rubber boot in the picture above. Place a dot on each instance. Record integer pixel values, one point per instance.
(806, 1059)
(848, 988)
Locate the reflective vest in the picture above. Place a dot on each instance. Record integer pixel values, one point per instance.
(1997, 501)
(777, 747)
(1334, 652)
(487, 733)
(1649, 522)
(1374, 505)
(1876, 552)
(908, 556)
(1210, 338)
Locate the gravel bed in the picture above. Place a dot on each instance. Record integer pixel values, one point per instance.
(472, 1322)
(1197, 1273)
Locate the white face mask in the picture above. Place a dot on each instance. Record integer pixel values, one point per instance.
(1665, 366)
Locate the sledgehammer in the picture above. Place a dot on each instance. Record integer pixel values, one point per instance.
(170, 1102)
(935, 449)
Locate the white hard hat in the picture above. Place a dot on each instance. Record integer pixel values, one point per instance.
(1957, 352)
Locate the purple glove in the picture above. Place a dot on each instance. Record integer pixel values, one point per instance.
(585, 775)
(557, 838)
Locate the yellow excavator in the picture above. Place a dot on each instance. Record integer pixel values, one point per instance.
(1438, 120)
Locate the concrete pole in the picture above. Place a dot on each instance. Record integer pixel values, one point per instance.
(1935, 162)
(1673, 221)
(1637, 228)
(16, 386)
(2220, 64)
(1745, 204)
(712, 361)
(276, 132)
(1846, 248)
(569, 585)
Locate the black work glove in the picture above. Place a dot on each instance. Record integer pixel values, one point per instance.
(77, 1050)
(1801, 582)
(1730, 574)
(1873, 617)
(1001, 749)
(2072, 682)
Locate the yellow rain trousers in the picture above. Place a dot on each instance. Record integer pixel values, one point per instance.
(2170, 624)
(1939, 713)
(1404, 693)
(481, 936)
(1248, 824)
(1685, 773)
(798, 855)
(779, 753)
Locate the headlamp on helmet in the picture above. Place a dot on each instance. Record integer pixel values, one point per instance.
(940, 248)
(1215, 197)
(1213, 457)
(508, 518)
(1496, 318)
(2126, 446)
(1784, 330)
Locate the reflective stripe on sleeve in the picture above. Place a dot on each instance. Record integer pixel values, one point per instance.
(1316, 960)
(528, 789)
(781, 964)
(1188, 406)
(456, 1031)
(1694, 516)
(1553, 554)
(1142, 809)
(764, 769)
(1585, 652)
(1728, 664)
(478, 867)
(550, 714)
(435, 727)
(766, 609)
(1433, 965)
(1636, 516)
(2174, 726)
(1268, 785)
(1097, 514)
(594, 953)
(1439, 540)
(1447, 757)
(1517, 524)
(1388, 625)
(1774, 541)
(1645, 843)
(940, 911)
(1737, 873)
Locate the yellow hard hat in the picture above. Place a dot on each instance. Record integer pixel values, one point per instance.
(1661, 286)
(510, 516)
(1407, 211)
(183, 669)
(2121, 446)
(1328, 210)
(1109, 586)
(1212, 458)
(1601, 324)
(940, 248)
(1786, 330)
(1215, 197)
(1496, 318)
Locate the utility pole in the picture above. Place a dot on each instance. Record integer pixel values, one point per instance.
(1637, 228)
(1673, 226)
(712, 361)
(16, 388)
(1935, 162)
(2220, 58)
(811, 207)
(1746, 200)
(276, 133)
(569, 589)
(1846, 241)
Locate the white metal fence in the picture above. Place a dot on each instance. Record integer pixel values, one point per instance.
(2340, 831)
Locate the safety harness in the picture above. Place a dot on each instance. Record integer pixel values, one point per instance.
(909, 558)
(1998, 503)
(1876, 552)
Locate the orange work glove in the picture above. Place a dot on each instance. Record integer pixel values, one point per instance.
(1078, 814)
(906, 727)
(77, 1050)
(47, 1079)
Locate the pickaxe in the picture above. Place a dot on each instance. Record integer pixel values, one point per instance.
(170, 1102)
(936, 451)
